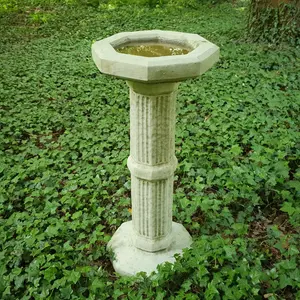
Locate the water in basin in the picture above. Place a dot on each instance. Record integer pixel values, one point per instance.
(153, 50)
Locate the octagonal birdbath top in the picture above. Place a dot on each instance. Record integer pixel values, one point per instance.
(201, 56)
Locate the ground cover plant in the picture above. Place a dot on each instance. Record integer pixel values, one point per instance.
(64, 142)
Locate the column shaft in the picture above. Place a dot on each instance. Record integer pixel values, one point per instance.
(152, 162)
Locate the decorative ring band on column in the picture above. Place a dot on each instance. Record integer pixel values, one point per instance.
(152, 245)
(156, 172)
(153, 89)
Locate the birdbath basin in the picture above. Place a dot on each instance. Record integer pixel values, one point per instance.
(153, 63)
(153, 49)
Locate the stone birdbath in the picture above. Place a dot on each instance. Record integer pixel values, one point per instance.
(153, 63)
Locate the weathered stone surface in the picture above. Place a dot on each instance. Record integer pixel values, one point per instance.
(151, 237)
(152, 162)
(129, 260)
(155, 69)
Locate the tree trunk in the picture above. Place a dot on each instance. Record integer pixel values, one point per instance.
(275, 21)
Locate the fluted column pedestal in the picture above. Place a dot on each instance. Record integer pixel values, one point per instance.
(152, 162)
(151, 237)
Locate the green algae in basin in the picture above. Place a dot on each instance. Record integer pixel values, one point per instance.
(153, 50)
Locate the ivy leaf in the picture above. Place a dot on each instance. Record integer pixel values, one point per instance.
(74, 276)
(97, 284)
(50, 273)
(52, 230)
(51, 207)
(211, 292)
(76, 215)
(288, 264)
(240, 228)
(236, 150)
(288, 208)
(295, 184)
(284, 281)
(66, 292)
(230, 251)
(293, 250)
(67, 246)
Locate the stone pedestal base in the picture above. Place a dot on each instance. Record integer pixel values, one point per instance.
(129, 260)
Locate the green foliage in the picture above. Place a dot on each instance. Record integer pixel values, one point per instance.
(64, 142)
(13, 5)
(8, 5)
(275, 24)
